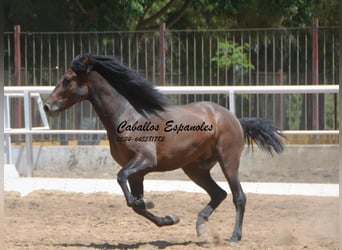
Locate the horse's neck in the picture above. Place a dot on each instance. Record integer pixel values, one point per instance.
(109, 105)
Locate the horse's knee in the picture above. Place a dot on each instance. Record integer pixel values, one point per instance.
(140, 204)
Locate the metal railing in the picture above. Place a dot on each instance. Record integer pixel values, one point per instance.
(34, 91)
(281, 56)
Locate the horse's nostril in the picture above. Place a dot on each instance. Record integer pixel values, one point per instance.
(46, 107)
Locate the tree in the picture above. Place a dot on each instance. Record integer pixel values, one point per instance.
(170, 12)
(327, 12)
(232, 54)
(274, 13)
(109, 15)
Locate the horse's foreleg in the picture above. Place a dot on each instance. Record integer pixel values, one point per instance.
(130, 172)
(133, 173)
(137, 189)
(159, 221)
(122, 178)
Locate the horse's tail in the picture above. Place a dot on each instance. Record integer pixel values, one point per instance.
(263, 133)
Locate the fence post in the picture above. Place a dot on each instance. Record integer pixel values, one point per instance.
(2, 79)
(232, 101)
(162, 53)
(17, 75)
(7, 125)
(315, 79)
(28, 136)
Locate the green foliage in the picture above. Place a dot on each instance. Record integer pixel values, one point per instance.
(274, 13)
(328, 12)
(232, 54)
(109, 15)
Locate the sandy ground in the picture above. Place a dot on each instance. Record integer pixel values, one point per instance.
(58, 220)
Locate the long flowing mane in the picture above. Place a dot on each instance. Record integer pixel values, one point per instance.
(139, 92)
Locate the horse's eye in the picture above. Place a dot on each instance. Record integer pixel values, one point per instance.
(66, 82)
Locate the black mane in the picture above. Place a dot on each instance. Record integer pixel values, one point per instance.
(139, 92)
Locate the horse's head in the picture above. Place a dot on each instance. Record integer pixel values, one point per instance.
(71, 89)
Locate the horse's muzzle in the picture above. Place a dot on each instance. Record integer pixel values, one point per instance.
(51, 109)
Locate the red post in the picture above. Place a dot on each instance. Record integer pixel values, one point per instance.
(17, 55)
(17, 75)
(315, 79)
(162, 53)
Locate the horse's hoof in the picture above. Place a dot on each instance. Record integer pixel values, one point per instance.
(173, 219)
(200, 226)
(233, 243)
(200, 229)
(234, 240)
(148, 204)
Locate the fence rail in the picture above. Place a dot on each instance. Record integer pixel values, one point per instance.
(32, 91)
(280, 56)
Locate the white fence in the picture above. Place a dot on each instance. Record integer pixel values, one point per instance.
(29, 92)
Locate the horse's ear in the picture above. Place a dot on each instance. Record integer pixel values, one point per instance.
(86, 62)
(82, 64)
(86, 59)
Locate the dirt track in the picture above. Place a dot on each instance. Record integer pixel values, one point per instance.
(49, 220)
(56, 220)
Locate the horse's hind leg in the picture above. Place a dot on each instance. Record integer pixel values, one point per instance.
(203, 179)
(230, 165)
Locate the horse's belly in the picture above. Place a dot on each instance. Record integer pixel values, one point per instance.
(187, 152)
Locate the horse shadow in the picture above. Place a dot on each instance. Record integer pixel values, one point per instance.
(160, 244)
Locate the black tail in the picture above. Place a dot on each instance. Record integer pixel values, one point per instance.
(263, 133)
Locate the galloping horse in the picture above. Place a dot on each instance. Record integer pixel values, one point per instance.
(147, 134)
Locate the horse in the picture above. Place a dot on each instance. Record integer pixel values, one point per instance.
(148, 134)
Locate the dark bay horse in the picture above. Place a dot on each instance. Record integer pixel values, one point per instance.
(147, 134)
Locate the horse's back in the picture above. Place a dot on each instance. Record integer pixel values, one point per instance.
(228, 130)
(226, 126)
(222, 117)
